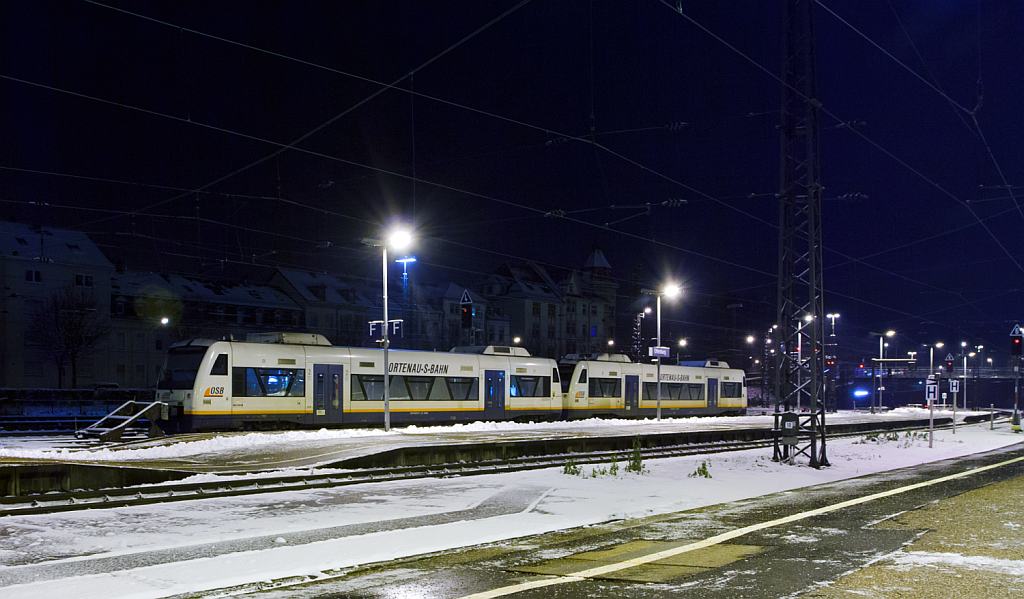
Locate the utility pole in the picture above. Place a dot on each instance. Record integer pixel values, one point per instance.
(800, 373)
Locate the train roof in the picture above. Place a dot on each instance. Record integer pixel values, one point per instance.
(491, 350)
(596, 357)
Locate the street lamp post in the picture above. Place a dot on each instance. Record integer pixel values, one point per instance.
(931, 356)
(967, 355)
(679, 351)
(832, 316)
(881, 356)
(398, 239)
(671, 291)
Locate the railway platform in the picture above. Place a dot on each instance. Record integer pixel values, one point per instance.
(42, 465)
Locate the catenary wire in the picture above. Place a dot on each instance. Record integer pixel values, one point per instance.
(973, 113)
(587, 139)
(342, 114)
(853, 130)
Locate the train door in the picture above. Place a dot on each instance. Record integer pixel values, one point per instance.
(327, 386)
(712, 393)
(494, 394)
(632, 392)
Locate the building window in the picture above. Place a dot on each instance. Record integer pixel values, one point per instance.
(83, 280)
(33, 276)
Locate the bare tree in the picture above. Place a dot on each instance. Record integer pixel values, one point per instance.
(68, 325)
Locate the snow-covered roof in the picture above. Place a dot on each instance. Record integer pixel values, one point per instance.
(62, 246)
(320, 287)
(150, 284)
(596, 259)
(531, 281)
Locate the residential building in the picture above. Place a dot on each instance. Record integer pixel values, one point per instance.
(37, 266)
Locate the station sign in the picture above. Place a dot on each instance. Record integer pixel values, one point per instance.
(954, 386)
(931, 391)
(658, 352)
(395, 330)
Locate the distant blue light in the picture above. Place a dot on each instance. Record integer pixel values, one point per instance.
(861, 393)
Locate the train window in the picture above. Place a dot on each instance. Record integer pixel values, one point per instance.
(438, 390)
(367, 387)
(220, 366)
(683, 391)
(583, 376)
(181, 367)
(370, 387)
(397, 388)
(529, 386)
(419, 386)
(463, 388)
(554, 375)
(732, 390)
(268, 382)
(605, 387)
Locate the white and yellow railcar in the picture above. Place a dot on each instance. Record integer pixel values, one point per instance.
(301, 380)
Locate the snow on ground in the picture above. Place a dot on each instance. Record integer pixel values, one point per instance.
(249, 442)
(916, 559)
(554, 501)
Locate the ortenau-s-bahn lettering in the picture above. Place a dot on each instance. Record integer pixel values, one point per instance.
(409, 368)
(675, 377)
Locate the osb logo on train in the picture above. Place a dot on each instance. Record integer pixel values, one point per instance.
(214, 392)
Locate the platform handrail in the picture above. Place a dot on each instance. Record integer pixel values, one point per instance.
(113, 433)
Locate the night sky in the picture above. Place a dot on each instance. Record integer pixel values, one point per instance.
(185, 121)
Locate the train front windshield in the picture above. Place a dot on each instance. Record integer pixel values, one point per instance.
(181, 368)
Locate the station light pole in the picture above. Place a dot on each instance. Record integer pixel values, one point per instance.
(881, 356)
(398, 239)
(832, 316)
(670, 291)
(931, 356)
(967, 355)
(679, 351)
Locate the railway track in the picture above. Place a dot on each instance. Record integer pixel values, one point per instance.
(51, 503)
